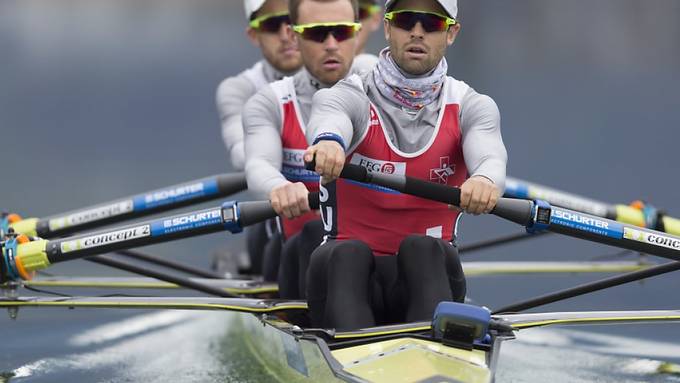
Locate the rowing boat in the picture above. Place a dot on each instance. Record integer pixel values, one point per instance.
(460, 344)
(397, 353)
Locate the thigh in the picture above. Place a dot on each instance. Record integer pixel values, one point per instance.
(422, 263)
(338, 282)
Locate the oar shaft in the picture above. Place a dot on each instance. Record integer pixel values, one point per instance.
(158, 261)
(231, 216)
(180, 281)
(135, 206)
(516, 188)
(589, 288)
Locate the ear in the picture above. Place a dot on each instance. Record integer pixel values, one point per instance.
(452, 33)
(387, 29)
(252, 36)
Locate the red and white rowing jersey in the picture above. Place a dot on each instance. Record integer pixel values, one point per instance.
(294, 144)
(382, 217)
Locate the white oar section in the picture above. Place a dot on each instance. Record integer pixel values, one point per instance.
(521, 321)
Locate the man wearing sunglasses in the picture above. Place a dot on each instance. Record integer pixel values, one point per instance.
(390, 257)
(268, 24)
(275, 121)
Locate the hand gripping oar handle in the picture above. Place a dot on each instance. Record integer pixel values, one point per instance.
(18, 261)
(518, 211)
(257, 211)
(135, 206)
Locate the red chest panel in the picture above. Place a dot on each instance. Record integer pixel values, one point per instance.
(294, 144)
(381, 217)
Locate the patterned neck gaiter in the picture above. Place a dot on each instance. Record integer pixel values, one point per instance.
(412, 93)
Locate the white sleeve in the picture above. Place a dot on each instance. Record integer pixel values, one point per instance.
(231, 96)
(483, 147)
(342, 110)
(262, 122)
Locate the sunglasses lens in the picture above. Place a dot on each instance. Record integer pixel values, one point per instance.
(320, 33)
(429, 21)
(272, 24)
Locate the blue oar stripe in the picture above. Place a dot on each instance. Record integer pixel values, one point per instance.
(586, 223)
(175, 195)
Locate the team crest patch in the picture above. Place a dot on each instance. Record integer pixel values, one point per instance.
(442, 173)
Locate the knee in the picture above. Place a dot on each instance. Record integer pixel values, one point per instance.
(418, 246)
(313, 229)
(353, 255)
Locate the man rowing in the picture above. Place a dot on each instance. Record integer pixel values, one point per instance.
(389, 257)
(268, 23)
(275, 126)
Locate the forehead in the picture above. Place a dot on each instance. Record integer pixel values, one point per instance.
(419, 5)
(325, 11)
(272, 6)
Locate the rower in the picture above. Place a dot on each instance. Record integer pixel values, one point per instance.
(275, 119)
(389, 257)
(268, 24)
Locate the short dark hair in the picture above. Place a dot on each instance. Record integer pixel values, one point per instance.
(294, 6)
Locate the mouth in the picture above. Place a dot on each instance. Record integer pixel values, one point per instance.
(331, 64)
(289, 50)
(416, 51)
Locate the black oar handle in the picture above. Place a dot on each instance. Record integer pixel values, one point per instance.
(518, 211)
(258, 211)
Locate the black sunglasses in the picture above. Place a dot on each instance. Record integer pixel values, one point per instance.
(319, 31)
(431, 22)
(270, 23)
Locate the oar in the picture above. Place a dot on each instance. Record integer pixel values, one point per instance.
(643, 216)
(640, 215)
(534, 215)
(589, 288)
(21, 257)
(135, 206)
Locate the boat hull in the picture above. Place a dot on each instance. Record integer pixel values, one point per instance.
(288, 355)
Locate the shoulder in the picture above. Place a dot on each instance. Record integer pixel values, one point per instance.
(472, 103)
(264, 105)
(354, 83)
(364, 62)
(235, 86)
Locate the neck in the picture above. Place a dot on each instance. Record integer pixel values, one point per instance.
(273, 74)
(315, 82)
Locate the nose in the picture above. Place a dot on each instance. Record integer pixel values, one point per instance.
(330, 44)
(418, 31)
(284, 33)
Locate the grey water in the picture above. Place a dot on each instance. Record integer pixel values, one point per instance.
(100, 99)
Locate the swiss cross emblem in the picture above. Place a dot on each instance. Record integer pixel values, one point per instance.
(442, 173)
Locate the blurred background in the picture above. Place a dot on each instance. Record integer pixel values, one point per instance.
(101, 99)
